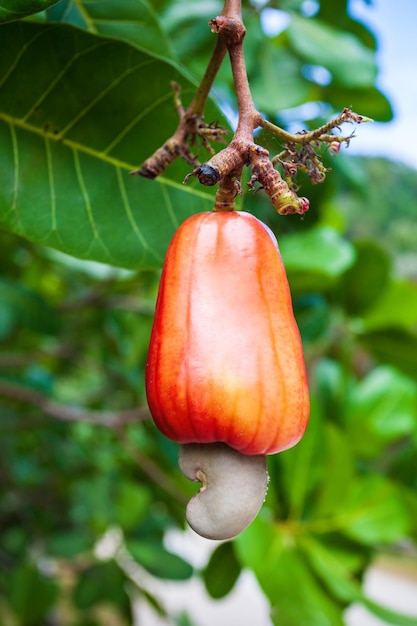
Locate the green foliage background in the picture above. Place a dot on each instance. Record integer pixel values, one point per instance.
(85, 97)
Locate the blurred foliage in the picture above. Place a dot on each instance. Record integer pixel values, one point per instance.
(376, 214)
(89, 487)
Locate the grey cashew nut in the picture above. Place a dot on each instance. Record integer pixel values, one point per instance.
(233, 488)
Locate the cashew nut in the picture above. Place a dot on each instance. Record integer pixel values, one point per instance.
(233, 488)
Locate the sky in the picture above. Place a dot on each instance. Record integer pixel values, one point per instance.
(394, 22)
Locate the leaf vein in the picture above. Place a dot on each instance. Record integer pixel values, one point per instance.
(51, 184)
(131, 218)
(169, 206)
(89, 22)
(16, 172)
(21, 53)
(89, 208)
(59, 77)
(133, 123)
(16, 168)
(101, 95)
(97, 154)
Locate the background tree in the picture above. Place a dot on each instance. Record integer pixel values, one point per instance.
(85, 98)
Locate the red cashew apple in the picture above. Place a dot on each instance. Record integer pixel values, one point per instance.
(225, 363)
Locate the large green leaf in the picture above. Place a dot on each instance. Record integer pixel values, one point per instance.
(134, 22)
(16, 9)
(77, 113)
(295, 594)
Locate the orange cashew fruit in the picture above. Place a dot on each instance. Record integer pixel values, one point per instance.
(225, 363)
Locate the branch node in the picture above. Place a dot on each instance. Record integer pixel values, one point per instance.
(232, 31)
(284, 199)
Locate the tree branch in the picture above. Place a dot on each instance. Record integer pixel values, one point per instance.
(301, 150)
(109, 419)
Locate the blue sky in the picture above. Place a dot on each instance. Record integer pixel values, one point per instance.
(394, 22)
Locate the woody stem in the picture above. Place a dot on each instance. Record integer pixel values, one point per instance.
(199, 101)
(231, 9)
(248, 115)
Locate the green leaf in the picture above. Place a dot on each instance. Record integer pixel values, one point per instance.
(380, 409)
(158, 561)
(373, 512)
(329, 382)
(394, 346)
(102, 583)
(316, 474)
(295, 473)
(134, 22)
(365, 281)
(16, 9)
(316, 258)
(278, 83)
(69, 138)
(338, 471)
(397, 307)
(337, 578)
(186, 22)
(295, 595)
(222, 571)
(30, 595)
(347, 59)
(389, 615)
(344, 586)
(368, 101)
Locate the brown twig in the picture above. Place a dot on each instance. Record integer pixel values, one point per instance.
(110, 419)
(225, 168)
(17, 360)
